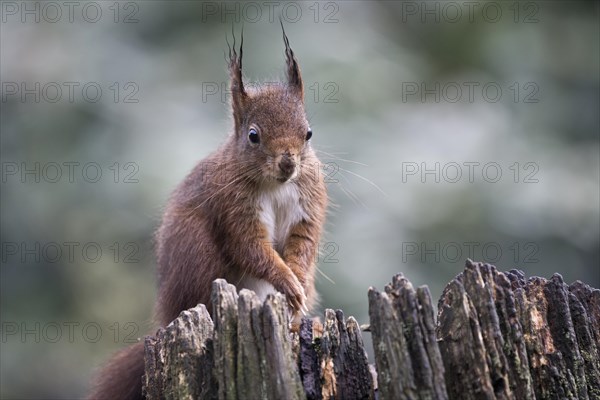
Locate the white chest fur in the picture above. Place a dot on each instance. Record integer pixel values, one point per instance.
(279, 211)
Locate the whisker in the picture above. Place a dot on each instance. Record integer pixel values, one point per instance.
(325, 275)
(365, 179)
(341, 159)
(353, 196)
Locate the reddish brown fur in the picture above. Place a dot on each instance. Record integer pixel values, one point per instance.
(211, 227)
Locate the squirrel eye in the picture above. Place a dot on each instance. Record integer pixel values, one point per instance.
(308, 135)
(253, 136)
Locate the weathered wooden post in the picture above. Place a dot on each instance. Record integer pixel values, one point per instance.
(497, 336)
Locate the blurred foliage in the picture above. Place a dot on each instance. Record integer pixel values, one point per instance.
(363, 56)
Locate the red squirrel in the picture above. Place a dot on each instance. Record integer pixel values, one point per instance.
(252, 212)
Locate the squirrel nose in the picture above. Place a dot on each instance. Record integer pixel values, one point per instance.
(287, 165)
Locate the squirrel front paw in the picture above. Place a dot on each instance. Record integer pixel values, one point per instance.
(298, 271)
(294, 293)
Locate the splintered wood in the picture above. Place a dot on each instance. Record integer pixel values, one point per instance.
(497, 336)
(250, 353)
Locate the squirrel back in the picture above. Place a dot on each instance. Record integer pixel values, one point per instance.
(252, 213)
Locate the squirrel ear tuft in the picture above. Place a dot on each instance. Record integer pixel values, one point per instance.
(238, 93)
(294, 79)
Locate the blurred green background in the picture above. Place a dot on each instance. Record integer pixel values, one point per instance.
(450, 129)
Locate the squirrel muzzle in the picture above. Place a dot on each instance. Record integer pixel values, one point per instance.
(287, 167)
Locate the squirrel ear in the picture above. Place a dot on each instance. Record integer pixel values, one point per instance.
(294, 79)
(238, 93)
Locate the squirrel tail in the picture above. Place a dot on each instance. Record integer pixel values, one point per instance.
(121, 377)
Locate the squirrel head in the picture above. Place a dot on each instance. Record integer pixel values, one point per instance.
(272, 134)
